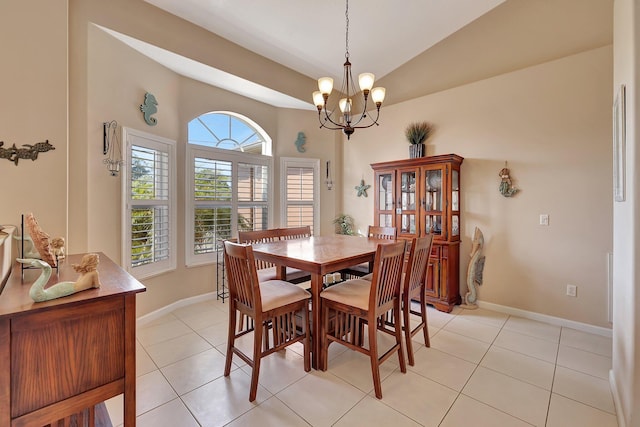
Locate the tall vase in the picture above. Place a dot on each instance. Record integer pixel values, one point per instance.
(416, 151)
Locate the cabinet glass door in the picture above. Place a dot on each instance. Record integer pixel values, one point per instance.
(385, 199)
(433, 201)
(455, 203)
(407, 202)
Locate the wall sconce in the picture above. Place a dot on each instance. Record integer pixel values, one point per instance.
(111, 147)
(329, 182)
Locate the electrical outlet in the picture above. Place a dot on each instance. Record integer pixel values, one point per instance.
(544, 219)
(572, 290)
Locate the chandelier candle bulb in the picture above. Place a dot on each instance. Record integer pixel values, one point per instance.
(366, 82)
(377, 94)
(318, 100)
(345, 105)
(325, 84)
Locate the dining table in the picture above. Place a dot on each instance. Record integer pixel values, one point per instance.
(318, 255)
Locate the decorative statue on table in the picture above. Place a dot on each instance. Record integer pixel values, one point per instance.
(474, 273)
(88, 279)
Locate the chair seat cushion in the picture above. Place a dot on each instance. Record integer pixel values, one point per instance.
(278, 293)
(354, 292)
(293, 274)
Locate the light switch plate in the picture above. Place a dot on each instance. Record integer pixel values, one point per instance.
(544, 219)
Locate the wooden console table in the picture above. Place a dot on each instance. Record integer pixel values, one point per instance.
(60, 357)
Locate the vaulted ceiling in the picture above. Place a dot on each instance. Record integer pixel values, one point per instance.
(415, 47)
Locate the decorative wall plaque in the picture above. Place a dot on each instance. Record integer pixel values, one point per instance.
(28, 151)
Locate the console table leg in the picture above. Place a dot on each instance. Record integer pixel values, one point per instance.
(5, 376)
(130, 361)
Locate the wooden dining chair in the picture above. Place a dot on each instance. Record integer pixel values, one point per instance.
(365, 269)
(377, 232)
(259, 236)
(272, 307)
(414, 288)
(355, 303)
(267, 270)
(295, 232)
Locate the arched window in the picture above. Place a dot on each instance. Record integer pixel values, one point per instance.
(229, 176)
(229, 131)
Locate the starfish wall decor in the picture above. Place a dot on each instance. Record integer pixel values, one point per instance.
(362, 188)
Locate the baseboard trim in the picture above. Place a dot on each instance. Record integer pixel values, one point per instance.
(150, 317)
(547, 319)
(616, 399)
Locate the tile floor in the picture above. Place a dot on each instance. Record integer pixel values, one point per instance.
(484, 368)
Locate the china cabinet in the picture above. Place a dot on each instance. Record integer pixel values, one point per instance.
(420, 196)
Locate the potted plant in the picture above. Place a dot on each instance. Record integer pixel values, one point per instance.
(417, 133)
(344, 224)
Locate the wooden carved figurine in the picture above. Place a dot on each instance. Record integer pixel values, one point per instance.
(474, 272)
(57, 246)
(88, 279)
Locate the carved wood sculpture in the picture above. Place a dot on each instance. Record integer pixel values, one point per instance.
(13, 154)
(40, 240)
(88, 279)
(474, 273)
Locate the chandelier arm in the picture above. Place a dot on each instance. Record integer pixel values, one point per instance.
(362, 116)
(327, 119)
(373, 122)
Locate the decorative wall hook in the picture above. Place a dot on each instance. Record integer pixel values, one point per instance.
(328, 181)
(506, 187)
(148, 107)
(111, 147)
(13, 154)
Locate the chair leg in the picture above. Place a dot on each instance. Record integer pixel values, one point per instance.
(425, 327)
(306, 343)
(373, 355)
(406, 314)
(231, 337)
(257, 353)
(324, 341)
(398, 333)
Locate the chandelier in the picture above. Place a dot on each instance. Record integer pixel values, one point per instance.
(347, 121)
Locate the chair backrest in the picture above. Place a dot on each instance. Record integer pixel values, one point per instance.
(376, 232)
(242, 277)
(387, 276)
(259, 236)
(417, 263)
(295, 232)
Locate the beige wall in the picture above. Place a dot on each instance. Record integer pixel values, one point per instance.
(625, 377)
(117, 78)
(33, 108)
(320, 144)
(552, 123)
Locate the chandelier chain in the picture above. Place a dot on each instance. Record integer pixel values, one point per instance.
(346, 15)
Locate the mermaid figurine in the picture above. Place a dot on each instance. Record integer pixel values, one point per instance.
(88, 279)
